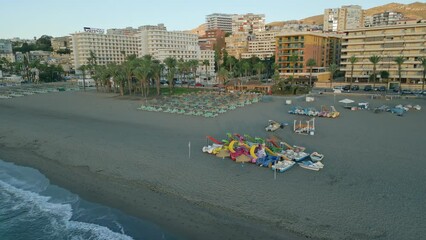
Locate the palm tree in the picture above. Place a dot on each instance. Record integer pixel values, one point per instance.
(423, 63)
(293, 60)
(231, 61)
(260, 67)
(129, 66)
(399, 61)
(223, 75)
(119, 76)
(171, 71)
(192, 66)
(83, 69)
(157, 69)
(206, 64)
(245, 67)
(374, 60)
(143, 73)
(333, 69)
(352, 60)
(311, 63)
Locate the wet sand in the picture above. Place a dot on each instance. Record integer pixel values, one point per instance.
(103, 148)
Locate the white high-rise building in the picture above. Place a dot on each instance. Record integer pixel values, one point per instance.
(108, 48)
(344, 18)
(248, 23)
(160, 43)
(219, 21)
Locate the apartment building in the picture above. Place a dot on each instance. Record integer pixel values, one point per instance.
(248, 23)
(344, 18)
(108, 48)
(237, 44)
(61, 43)
(261, 45)
(212, 39)
(383, 19)
(6, 50)
(388, 42)
(323, 48)
(209, 56)
(219, 21)
(160, 43)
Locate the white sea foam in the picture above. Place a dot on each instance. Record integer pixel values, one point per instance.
(35, 206)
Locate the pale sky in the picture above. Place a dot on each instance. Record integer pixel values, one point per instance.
(33, 18)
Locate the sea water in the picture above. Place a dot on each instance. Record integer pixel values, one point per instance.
(32, 208)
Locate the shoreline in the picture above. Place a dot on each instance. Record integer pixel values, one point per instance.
(108, 152)
(94, 189)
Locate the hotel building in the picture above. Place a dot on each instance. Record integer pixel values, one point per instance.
(160, 43)
(388, 42)
(323, 48)
(219, 21)
(108, 48)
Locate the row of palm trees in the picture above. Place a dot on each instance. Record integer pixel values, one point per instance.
(375, 59)
(137, 75)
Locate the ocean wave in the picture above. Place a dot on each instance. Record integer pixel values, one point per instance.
(30, 215)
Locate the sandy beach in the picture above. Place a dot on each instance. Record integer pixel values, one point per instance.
(101, 147)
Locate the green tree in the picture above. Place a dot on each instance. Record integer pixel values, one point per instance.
(384, 74)
(245, 67)
(374, 60)
(192, 66)
(171, 64)
(352, 60)
(260, 67)
(223, 75)
(332, 69)
(294, 57)
(311, 63)
(83, 69)
(206, 64)
(399, 61)
(157, 70)
(143, 72)
(91, 66)
(129, 66)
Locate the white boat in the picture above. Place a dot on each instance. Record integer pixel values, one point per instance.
(282, 166)
(316, 157)
(296, 156)
(311, 165)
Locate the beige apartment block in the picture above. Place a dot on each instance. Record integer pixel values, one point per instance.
(237, 44)
(388, 42)
(248, 23)
(108, 48)
(261, 45)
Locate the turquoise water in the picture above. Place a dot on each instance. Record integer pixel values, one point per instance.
(32, 208)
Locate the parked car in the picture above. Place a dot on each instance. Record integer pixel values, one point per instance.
(347, 88)
(355, 88)
(382, 89)
(406, 92)
(338, 89)
(368, 88)
(199, 85)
